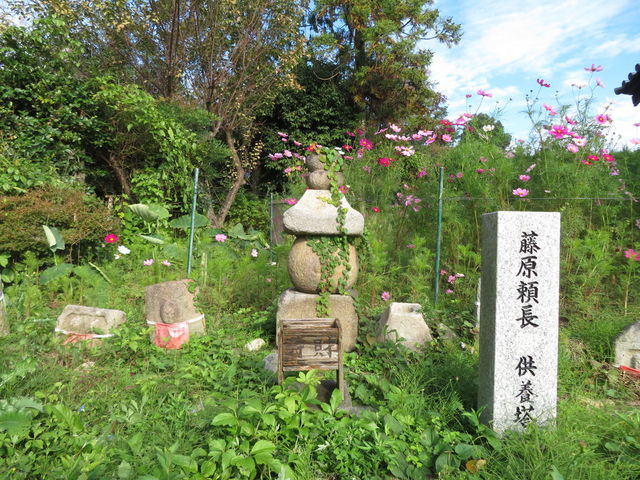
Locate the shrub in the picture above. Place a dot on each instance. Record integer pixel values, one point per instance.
(81, 218)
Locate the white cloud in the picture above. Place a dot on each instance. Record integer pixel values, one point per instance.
(507, 45)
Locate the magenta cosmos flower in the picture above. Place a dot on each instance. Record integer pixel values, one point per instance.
(484, 93)
(366, 143)
(111, 238)
(601, 118)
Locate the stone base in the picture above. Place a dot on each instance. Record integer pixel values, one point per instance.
(293, 304)
(404, 320)
(81, 319)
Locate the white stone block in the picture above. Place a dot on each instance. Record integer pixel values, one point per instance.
(404, 322)
(314, 215)
(519, 319)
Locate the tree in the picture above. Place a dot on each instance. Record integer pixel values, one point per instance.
(483, 127)
(378, 43)
(231, 57)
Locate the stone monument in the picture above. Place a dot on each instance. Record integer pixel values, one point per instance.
(627, 346)
(519, 319)
(4, 323)
(403, 322)
(171, 311)
(78, 322)
(319, 217)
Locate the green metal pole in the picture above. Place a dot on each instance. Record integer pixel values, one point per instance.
(436, 281)
(270, 228)
(193, 219)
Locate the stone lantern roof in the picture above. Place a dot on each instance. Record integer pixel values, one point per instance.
(631, 86)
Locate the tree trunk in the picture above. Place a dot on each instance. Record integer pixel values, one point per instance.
(218, 219)
(4, 323)
(121, 174)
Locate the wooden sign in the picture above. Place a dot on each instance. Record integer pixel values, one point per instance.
(311, 344)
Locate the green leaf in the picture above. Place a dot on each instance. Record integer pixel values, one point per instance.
(465, 451)
(225, 418)
(236, 230)
(555, 473)
(15, 423)
(392, 424)
(26, 402)
(149, 213)
(54, 239)
(54, 272)
(262, 451)
(101, 272)
(124, 470)
(208, 468)
(184, 221)
(187, 463)
(159, 211)
(445, 461)
(156, 239)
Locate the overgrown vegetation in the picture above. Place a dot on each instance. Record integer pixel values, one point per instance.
(104, 165)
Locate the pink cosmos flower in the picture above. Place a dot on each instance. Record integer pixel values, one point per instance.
(635, 141)
(431, 139)
(599, 83)
(283, 135)
(443, 272)
(343, 189)
(366, 144)
(384, 161)
(351, 134)
(422, 173)
(375, 209)
(359, 131)
(297, 144)
(558, 131)
(221, 237)
(480, 170)
(601, 119)
(531, 167)
(483, 159)
(366, 168)
(448, 291)
(395, 128)
(524, 178)
(289, 201)
(468, 95)
(410, 245)
(391, 136)
(254, 252)
(148, 262)
(631, 254)
(579, 141)
(569, 120)
(484, 93)
(166, 263)
(593, 68)
(608, 158)
(573, 148)
(550, 109)
(386, 296)
(541, 83)
(520, 192)
(111, 238)
(594, 158)
(382, 130)
(446, 138)
(459, 175)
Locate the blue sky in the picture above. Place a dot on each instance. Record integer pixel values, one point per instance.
(507, 45)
